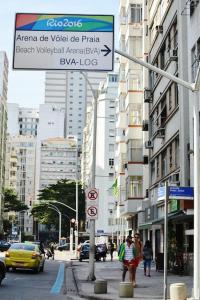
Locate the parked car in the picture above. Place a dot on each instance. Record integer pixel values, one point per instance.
(4, 246)
(84, 252)
(25, 256)
(2, 270)
(66, 246)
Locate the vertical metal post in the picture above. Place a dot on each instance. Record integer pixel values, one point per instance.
(165, 239)
(76, 222)
(91, 275)
(196, 281)
(60, 224)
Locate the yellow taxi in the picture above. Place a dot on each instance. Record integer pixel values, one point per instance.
(25, 256)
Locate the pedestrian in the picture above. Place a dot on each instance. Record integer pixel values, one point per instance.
(124, 268)
(147, 257)
(138, 256)
(127, 256)
(52, 250)
(112, 248)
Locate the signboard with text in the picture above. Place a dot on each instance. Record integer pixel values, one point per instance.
(177, 192)
(63, 42)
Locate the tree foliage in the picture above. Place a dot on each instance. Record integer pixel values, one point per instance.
(11, 201)
(63, 191)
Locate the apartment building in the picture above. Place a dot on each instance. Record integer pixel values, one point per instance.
(70, 92)
(129, 137)
(3, 125)
(168, 122)
(22, 120)
(20, 175)
(105, 153)
(58, 160)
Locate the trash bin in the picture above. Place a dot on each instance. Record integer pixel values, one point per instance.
(178, 291)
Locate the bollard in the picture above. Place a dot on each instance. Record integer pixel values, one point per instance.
(178, 291)
(100, 286)
(126, 290)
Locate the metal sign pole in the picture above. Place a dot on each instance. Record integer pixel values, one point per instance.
(165, 239)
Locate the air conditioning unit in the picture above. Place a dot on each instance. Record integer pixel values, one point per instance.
(145, 125)
(160, 133)
(148, 144)
(173, 55)
(159, 28)
(147, 96)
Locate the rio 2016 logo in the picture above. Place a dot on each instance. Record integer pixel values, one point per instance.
(64, 23)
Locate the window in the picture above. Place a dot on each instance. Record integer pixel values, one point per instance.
(135, 14)
(113, 78)
(134, 186)
(164, 168)
(111, 162)
(135, 150)
(111, 132)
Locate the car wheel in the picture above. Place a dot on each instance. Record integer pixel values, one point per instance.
(14, 269)
(37, 269)
(80, 259)
(7, 269)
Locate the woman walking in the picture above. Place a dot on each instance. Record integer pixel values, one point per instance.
(127, 256)
(147, 257)
(138, 256)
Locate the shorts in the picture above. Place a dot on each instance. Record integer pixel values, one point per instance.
(147, 263)
(137, 261)
(129, 263)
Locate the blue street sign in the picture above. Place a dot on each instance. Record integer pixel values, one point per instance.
(161, 193)
(176, 192)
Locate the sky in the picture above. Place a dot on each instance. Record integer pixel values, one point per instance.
(27, 87)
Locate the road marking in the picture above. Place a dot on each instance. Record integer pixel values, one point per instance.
(59, 280)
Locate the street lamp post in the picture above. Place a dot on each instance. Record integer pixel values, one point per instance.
(53, 207)
(20, 225)
(195, 88)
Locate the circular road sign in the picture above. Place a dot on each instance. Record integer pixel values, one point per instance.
(92, 194)
(92, 211)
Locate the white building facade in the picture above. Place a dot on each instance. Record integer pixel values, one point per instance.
(129, 137)
(58, 160)
(105, 153)
(22, 120)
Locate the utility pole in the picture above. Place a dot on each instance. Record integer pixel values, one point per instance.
(91, 275)
(166, 239)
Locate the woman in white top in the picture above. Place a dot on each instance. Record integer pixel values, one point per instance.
(127, 256)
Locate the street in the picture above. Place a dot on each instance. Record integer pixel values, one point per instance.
(24, 284)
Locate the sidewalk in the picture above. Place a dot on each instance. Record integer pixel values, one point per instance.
(147, 287)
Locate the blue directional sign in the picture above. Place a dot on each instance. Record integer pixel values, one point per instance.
(181, 192)
(176, 192)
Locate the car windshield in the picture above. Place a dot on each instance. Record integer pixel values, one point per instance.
(28, 247)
